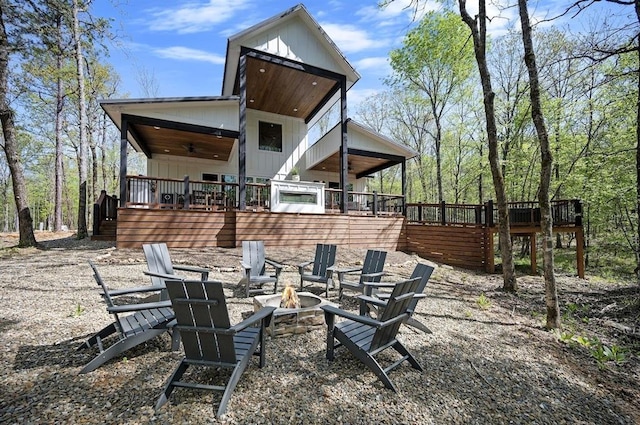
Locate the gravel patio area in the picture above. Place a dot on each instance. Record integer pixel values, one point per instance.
(488, 365)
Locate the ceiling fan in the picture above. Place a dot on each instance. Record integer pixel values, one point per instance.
(190, 148)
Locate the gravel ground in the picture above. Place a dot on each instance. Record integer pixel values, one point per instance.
(481, 365)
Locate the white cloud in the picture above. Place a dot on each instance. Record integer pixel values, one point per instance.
(349, 38)
(357, 96)
(195, 17)
(188, 54)
(379, 65)
(407, 10)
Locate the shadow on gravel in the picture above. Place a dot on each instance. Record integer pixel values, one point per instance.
(66, 354)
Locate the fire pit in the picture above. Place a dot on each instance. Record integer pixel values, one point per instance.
(290, 321)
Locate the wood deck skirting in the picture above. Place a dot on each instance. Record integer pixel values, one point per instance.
(200, 229)
(466, 246)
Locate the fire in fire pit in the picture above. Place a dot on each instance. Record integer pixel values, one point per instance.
(289, 298)
(307, 316)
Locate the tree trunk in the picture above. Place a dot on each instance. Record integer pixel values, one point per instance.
(551, 292)
(82, 107)
(438, 155)
(637, 8)
(25, 222)
(57, 204)
(478, 28)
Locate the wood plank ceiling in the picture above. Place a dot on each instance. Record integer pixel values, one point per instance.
(282, 90)
(167, 141)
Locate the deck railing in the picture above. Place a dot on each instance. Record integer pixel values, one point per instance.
(155, 192)
(564, 213)
(104, 209)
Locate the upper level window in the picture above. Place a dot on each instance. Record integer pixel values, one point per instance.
(269, 136)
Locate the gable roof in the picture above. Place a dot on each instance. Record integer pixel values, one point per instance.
(258, 37)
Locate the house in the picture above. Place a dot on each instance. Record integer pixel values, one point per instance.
(240, 150)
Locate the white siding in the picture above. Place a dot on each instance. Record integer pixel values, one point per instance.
(218, 116)
(293, 40)
(270, 165)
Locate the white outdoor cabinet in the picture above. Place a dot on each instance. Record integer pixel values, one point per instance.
(297, 197)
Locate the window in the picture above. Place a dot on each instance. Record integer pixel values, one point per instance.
(269, 136)
(298, 198)
(209, 177)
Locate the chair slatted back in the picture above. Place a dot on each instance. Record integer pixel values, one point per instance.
(423, 271)
(201, 313)
(325, 257)
(373, 263)
(105, 294)
(398, 304)
(253, 254)
(158, 261)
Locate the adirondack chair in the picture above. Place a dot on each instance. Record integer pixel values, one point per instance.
(322, 270)
(365, 337)
(209, 339)
(254, 264)
(144, 321)
(371, 271)
(161, 267)
(421, 271)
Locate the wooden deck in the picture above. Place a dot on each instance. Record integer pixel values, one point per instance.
(458, 235)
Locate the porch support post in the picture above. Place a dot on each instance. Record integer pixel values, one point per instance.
(534, 257)
(404, 187)
(242, 137)
(124, 124)
(344, 149)
(580, 251)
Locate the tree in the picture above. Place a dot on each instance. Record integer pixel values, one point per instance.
(546, 222)
(435, 59)
(478, 28)
(25, 221)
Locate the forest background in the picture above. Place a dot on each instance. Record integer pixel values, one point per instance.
(432, 103)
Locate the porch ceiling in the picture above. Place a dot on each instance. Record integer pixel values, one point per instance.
(286, 90)
(176, 142)
(360, 165)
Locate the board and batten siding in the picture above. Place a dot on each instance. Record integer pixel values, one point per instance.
(274, 165)
(294, 41)
(223, 114)
(270, 165)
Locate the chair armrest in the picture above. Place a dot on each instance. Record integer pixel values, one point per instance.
(302, 266)
(138, 289)
(263, 313)
(379, 284)
(275, 265)
(385, 296)
(372, 275)
(350, 270)
(351, 316)
(245, 265)
(372, 300)
(203, 272)
(137, 307)
(164, 275)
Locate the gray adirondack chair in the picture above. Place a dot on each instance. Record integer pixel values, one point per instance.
(160, 266)
(254, 263)
(209, 339)
(421, 271)
(133, 323)
(371, 271)
(322, 270)
(365, 337)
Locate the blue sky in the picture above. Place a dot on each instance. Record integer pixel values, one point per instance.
(182, 43)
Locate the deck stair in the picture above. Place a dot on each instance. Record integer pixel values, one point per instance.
(107, 231)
